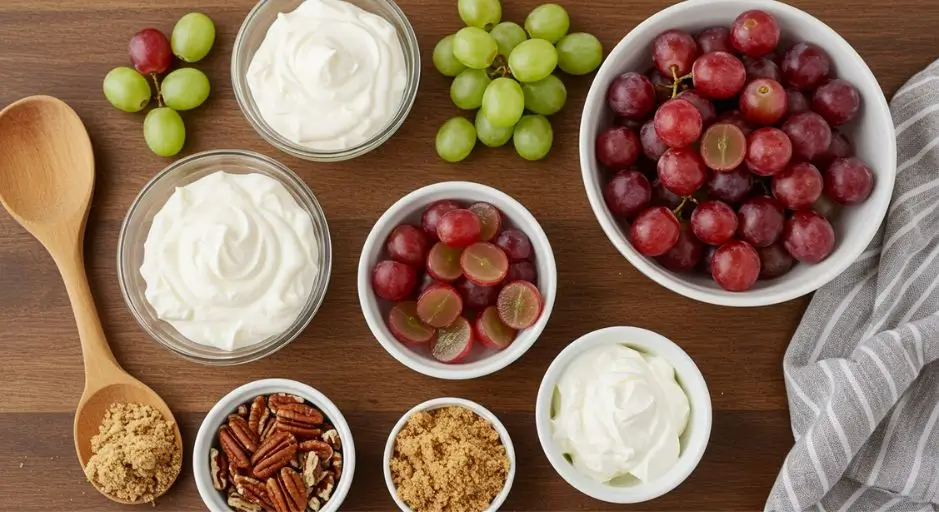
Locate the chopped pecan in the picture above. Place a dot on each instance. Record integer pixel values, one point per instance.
(239, 503)
(321, 448)
(240, 429)
(242, 411)
(314, 504)
(273, 454)
(324, 489)
(331, 436)
(277, 400)
(287, 491)
(218, 468)
(236, 453)
(252, 490)
(259, 414)
(337, 464)
(312, 471)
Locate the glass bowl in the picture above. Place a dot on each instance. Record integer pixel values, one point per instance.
(252, 33)
(136, 227)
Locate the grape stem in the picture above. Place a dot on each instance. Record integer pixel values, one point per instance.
(677, 80)
(159, 92)
(684, 200)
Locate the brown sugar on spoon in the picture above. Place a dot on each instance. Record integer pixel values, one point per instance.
(135, 456)
(449, 459)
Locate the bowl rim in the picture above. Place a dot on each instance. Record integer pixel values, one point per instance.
(885, 179)
(526, 338)
(438, 403)
(692, 382)
(410, 47)
(243, 394)
(315, 300)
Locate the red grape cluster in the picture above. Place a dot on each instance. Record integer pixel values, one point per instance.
(727, 158)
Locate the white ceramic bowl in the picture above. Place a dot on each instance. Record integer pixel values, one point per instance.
(693, 441)
(439, 403)
(408, 210)
(206, 438)
(871, 132)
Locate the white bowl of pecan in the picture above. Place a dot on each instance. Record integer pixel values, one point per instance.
(274, 445)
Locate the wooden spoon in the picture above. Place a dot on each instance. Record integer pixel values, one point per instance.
(47, 174)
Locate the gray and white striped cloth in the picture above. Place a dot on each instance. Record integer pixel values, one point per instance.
(863, 396)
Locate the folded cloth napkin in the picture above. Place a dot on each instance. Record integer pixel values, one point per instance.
(863, 396)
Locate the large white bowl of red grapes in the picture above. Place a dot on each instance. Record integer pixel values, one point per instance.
(737, 152)
(457, 280)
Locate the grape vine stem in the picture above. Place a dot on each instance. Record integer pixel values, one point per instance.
(159, 92)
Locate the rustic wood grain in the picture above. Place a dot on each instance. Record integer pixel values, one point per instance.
(64, 48)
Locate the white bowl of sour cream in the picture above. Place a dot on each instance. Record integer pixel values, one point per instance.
(623, 415)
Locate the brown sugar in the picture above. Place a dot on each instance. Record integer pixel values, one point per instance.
(135, 456)
(449, 459)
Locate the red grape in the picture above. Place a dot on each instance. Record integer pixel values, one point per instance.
(459, 228)
(150, 51)
(761, 67)
(723, 147)
(761, 221)
(763, 102)
(617, 147)
(713, 222)
(735, 266)
(674, 52)
(631, 95)
(797, 186)
(848, 181)
(521, 271)
(515, 243)
(686, 253)
(796, 102)
(627, 193)
(774, 261)
(409, 245)
(654, 231)
(662, 196)
(809, 133)
(768, 151)
(754, 33)
(678, 123)
(714, 39)
(704, 105)
(682, 171)
(662, 85)
(826, 207)
(432, 216)
(393, 280)
(476, 296)
(808, 236)
(840, 147)
(805, 65)
(719, 75)
(707, 258)
(837, 101)
(735, 118)
(652, 146)
(730, 186)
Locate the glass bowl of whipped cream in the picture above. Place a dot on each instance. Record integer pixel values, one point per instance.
(326, 80)
(224, 257)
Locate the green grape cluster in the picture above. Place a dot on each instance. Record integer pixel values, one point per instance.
(127, 88)
(506, 73)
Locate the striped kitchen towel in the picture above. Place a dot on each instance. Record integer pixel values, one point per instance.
(863, 396)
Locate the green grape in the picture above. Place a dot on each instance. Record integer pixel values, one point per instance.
(579, 53)
(468, 87)
(491, 135)
(474, 47)
(480, 13)
(546, 96)
(185, 89)
(503, 102)
(193, 37)
(533, 137)
(127, 89)
(455, 139)
(444, 61)
(533, 60)
(548, 21)
(508, 35)
(164, 131)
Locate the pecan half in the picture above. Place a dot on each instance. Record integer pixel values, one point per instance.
(321, 448)
(252, 490)
(218, 468)
(236, 453)
(273, 454)
(259, 414)
(277, 400)
(331, 436)
(324, 489)
(287, 491)
(240, 429)
(239, 503)
(268, 428)
(301, 412)
(312, 471)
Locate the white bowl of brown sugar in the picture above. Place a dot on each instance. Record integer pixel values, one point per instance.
(470, 468)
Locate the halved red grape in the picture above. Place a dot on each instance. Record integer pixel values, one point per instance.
(454, 342)
(713, 222)
(490, 220)
(627, 193)
(723, 147)
(682, 171)
(774, 261)
(476, 296)
(408, 244)
(731, 187)
(761, 221)
(662, 196)
(439, 305)
(443, 262)
(761, 67)
(840, 147)
(150, 51)
(735, 266)
(719, 75)
(674, 52)
(705, 106)
(491, 331)
(617, 147)
(805, 65)
(797, 186)
(522, 271)
(796, 102)
(848, 181)
(393, 280)
(714, 39)
(809, 133)
(515, 243)
(754, 33)
(837, 101)
(763, 102)
(654, 231)
(735, 118)
(631, 95)
(484, 263)
(433, 213)
(808, 236)
(678, 123)
(768, 151)
(519, 304)
(686, 253)
(406, 326)
(459, 228)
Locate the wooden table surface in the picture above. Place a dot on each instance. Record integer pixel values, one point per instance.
(64, 48)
